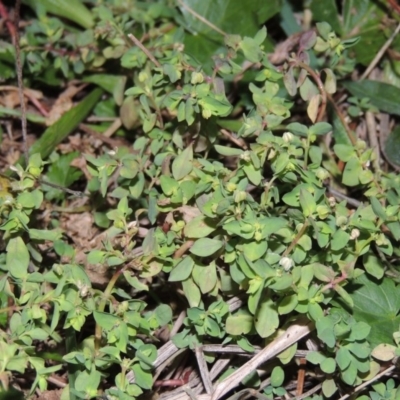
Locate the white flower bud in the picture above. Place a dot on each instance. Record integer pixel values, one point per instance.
(286, 263)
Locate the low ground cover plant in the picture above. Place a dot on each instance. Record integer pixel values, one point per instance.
(205, 210)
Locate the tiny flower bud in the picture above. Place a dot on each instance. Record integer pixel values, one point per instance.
(322, 174)
(206, 113)
(231, 187)
(286, 263)
(287, 137)
(197, 77)
(332, 201)
(355, 233)
(142, 76)
(245, 156)
(240, 195)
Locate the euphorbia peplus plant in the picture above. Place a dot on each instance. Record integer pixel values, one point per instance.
(228, 192)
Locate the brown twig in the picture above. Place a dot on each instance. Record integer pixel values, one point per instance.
(296, 239)
(10, 26)
(201, 18)
(183, 249)
(238, 141)
(380, 53)
(18, 67)
(150, 56)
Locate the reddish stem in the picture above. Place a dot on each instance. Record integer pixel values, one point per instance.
(10, 26)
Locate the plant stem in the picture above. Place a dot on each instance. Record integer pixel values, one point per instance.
(102, 305)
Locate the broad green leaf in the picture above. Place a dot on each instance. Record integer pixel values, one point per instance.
(228, 151)
(182, 270)
(105, 320)
(277, 376)
(328, 365)
(205, 277)
(315, 357)
(373, 265)
(57, 132)
(192, 292)
(307, 202)
(384, 352)
(266, 319)
(17, 258)
(376, 303)
(114, 84)
(329, 387)
(382, 95)
(255, 250)
(326, 11)
(183, 164)
(205, 247)
(73, 10)
(320, 128)
(199, 227)
(142, 378)
(228, 15)
(339, 240)
(239, 324)
(297, 129)
(343, 358)
(392, 146)
(163, 313)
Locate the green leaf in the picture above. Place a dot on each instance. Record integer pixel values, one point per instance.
(352, 172)
(17, 258)
(307, 202)
(205, 247)
(378, 209)
(114, 84)
(277, 376)
(57, 132)
(343, 358)
(182, 270)
(376, 303)
(255, 250)
(329, 387)
(228, 15)
(198, 227)
(205, 277)
(192, 292)
(73, 10)
(228, 151)
(266, 318)
(373, 265)
(183, 164)
(328, 365)
(326, 11)
(240, 324)
(142, 378)
(315, 357)
(392, 146)
(382, 95)
(384, 352)
(298, 129)
(320, 128)
(105, 320)
(339, 240)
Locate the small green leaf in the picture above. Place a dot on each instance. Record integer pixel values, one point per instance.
(228, 151)
(183, 164)
(329, 387)
(266, 318)
(240, 324)
(106, 321)
(199, 227)
(205, 247)
(277, 376)
(343, 358)
(339, 240)
(307, 202)
(205, 277)
(17, 258)
(320, 128)
(384, 352)
(182, 270)
(298, 129)
(328, 365)
(382, 95)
